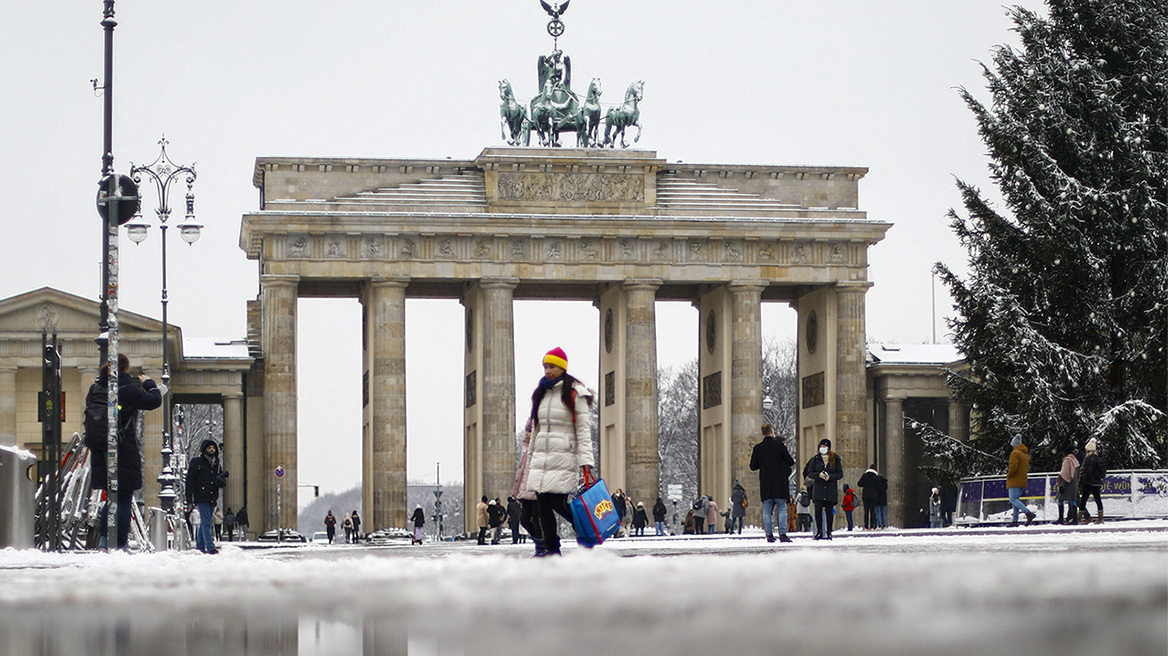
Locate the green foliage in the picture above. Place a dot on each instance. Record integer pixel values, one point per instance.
(1063, 318)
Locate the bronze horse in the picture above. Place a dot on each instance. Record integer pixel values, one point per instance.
(619, 118)
(514, 126)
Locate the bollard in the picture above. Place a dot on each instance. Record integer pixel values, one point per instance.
(17, 497)
(158, 528)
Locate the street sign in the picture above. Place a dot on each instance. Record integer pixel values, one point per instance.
(279, 472)
(674, 491)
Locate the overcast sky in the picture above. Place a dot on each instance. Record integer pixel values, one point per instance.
(834, 83)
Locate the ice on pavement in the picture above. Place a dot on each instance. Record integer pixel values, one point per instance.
(1097, 590)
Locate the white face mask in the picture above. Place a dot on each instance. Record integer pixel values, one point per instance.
(823, 450)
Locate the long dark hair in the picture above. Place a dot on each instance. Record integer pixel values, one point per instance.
(565, 395)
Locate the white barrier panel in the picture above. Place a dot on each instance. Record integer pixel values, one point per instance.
(1127, 494)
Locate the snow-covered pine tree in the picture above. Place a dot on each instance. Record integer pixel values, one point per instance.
(1063, 317)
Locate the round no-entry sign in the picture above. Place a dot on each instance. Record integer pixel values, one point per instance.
(279, 472)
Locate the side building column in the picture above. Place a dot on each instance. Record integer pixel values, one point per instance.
(233, 446)
(641, 426)
(8, 405)
(279, 295)
(894, 458)
(384, 485)
(745, 390)
(850, 382)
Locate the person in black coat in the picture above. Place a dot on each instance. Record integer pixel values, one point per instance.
(869, 483)
(773, 462)
(133, 395)
(514, 517)
(825, 469)
(1091, 478)
(204, 479)
(659, 516)
(419, 519)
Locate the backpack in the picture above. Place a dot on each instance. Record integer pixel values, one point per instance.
(804, 500)
(96, 419)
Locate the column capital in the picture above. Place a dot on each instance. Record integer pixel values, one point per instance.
(232, 396)
(391, 282)
(642, 284)
(852, 287)
(498, 283)
(745, 287)
(273, 280)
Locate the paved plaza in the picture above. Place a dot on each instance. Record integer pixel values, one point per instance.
(1040, 590)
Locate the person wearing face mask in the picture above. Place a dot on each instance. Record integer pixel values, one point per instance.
(822, 472)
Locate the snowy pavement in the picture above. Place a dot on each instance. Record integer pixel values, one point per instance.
(1042, 590)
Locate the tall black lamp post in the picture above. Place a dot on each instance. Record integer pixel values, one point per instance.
(164, 173)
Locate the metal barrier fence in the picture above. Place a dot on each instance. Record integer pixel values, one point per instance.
(1127, 494)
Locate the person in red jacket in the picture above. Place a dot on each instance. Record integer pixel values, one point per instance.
(849, 503)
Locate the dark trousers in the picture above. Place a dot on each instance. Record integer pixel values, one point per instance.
(869, 515)
(483, 534)
(823, 517)
(1089, 490)
(125, 498)
(549, 505)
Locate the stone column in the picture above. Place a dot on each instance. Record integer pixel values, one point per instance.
(386, 326)
(957, 427)
(893, 465)
(233, 448)
(279, 349)
(497, 391)
(8, 405)
(745, 391)
(850, 382)
(641, 458)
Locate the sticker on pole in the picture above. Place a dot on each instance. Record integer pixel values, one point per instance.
(279, 472)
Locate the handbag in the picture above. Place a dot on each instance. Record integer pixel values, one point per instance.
(593, 515)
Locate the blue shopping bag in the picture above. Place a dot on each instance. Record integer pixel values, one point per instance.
(593, 514)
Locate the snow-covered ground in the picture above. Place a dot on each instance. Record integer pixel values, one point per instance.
(1043, 590)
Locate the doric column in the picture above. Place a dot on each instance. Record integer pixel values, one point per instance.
(233, 449)
(745, 387)
(8, 405)
(498, 386)
(385, 482)
(850, 380)
(957, 426)
(641, 458)
(893, 465)
(279, 349)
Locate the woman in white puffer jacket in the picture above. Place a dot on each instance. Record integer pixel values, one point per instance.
(560, 445)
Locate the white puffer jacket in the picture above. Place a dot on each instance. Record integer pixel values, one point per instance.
(558, 447)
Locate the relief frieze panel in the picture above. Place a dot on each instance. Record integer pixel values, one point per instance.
(572, 187)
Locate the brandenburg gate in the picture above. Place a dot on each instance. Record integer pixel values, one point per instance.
(622, 228)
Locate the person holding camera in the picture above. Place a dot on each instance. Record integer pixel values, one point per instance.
(204, 479)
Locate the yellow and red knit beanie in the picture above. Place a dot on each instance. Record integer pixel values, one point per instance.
(557, 357)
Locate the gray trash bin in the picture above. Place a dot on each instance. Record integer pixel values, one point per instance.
(17, 497)
(158, 528)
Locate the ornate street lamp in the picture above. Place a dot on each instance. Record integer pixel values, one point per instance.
(163, 172)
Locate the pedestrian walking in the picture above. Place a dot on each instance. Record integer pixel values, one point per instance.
(1068, 486)
(241, 522)
(773, 462)
(229, 523)
(514, 514)
(699, 515)
(217, 523)
(640, 519)
(711, 515)
(822, 471)
(659, 512)
(620, 504)
(419, 519)
(356, 527)
(561, 448)
(497, 514)
(347, 525)
(1017, 479)
(483, 515)
(948, 503)
(1091, 479)
(330, 526)
(133, 395)
(935, 508)
(848, 504)
(738, 503)
(803, 509)
(205, 478)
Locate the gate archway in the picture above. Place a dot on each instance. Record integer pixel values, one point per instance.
(620, 228)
